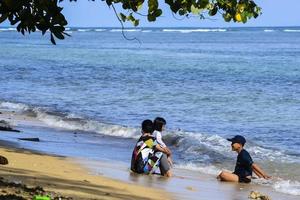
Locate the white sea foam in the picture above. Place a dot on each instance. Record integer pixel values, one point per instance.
(194, 30)
(291, 30)
(194, 143)
(269, 30)
(186, 142)
(287, 186)
(216, 145)
(100, 29)
(83, 30)
(147, 31)
(208, 169)
(71, 123)
(14, 106)
(280, 185)
(7, 29)
(125, 30)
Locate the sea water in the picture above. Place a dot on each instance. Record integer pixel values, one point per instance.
(208, 83)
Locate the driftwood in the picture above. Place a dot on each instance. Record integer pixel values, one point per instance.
(30, 139)
(5, 126)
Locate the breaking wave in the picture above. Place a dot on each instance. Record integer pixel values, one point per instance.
(198, 151)
(125, 30)
(214, 146)
(291, 30)
(287, 186)
(194, 30)
(269, 30)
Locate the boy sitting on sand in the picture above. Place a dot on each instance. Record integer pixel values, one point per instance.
(244, 164)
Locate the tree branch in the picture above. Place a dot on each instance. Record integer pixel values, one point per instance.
(122, 25)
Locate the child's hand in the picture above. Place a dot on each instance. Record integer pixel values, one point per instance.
(267, 176)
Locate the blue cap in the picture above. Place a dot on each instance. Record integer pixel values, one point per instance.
(238, 139)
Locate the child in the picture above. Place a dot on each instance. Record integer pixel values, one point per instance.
(148, 155)
(159, 126)
(244, 164)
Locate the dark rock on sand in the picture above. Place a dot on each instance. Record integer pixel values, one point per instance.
(3, 160)
(30, 139)
(5, 126)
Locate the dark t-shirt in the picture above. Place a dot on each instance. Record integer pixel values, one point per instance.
(243, 165)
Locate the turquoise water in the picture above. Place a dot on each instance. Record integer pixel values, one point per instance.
(209, 84)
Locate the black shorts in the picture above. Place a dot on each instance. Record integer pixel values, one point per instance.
(164, 164)
(243, 179)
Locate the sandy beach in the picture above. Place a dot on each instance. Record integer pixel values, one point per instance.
(65, 177)
(81, 178)
(59, 175)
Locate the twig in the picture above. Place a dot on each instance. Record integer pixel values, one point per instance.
(122, 25)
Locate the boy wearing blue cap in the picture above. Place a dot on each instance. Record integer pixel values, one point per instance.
(244, 164)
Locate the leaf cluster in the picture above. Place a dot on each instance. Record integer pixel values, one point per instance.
(32, 15)
(231, 10)
(45, 15)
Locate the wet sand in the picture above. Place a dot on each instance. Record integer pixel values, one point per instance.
(89, 179)
(66, 177)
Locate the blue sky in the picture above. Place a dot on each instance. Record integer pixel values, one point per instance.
(86, 13)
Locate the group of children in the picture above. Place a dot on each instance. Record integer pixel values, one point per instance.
(152, 156)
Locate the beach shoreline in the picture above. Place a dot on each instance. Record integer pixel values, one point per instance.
(65, 177)
(91, 179)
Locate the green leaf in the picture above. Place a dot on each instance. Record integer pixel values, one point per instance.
(131, 18)
(213, 11)
(59, 35)
(181, 12)
(151, 18)
(158, 12)
(203, 3)
(139, 7)
(227, 17)
(136, 22)
(67, 34)
(123, 17)
(195, 11)
(109, 2)
(3, 17)
(52, 39)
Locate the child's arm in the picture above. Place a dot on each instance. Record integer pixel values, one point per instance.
(163, 149)
(259, 172)
(168, 150)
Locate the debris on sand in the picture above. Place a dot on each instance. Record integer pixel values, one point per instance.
(10, 190)
(258, 196)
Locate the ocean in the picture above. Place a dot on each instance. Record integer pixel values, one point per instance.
(208, 83)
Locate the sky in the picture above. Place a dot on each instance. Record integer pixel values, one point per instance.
(86, 13)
